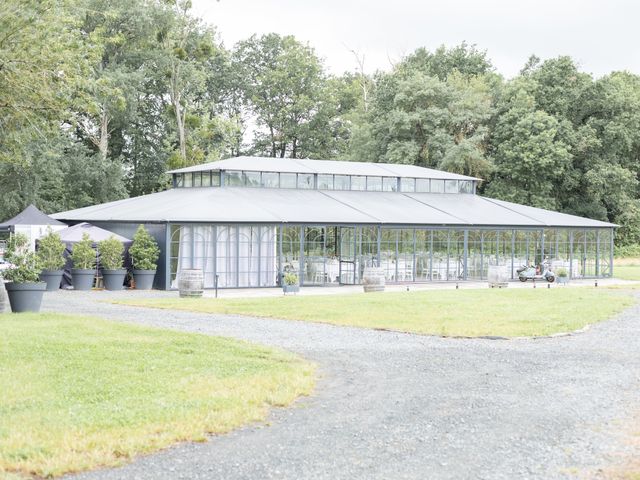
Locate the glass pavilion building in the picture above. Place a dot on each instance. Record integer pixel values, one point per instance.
(247, 220)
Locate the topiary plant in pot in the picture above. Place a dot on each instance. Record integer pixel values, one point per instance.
(111, 258)
(562, 275)
(144, 255)
(83, 257)
(50, 255)
(290, 283)
(24, 289)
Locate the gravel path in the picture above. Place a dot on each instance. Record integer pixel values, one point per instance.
(392, 405)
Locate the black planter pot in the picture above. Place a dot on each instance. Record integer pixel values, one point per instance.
(82, 278)
(113, 279)
(144, 279)
(52, 279)
(25, 297)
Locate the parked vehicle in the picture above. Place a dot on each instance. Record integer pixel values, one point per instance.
(532, 272)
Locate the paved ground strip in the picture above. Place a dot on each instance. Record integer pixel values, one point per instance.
(391, 405)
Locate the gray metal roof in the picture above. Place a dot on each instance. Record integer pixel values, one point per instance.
(263, 205)
(291, 165)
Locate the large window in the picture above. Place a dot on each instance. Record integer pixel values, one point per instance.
(450, 186)
(422, 185)
(407, 184)
(389, 184)
(305, 181)
(325, 182)
(374, 184)
(358, 182)
(270, 180)
(251, 179)
(288, 180)
(341, 182)
(437, 186)
(233, 178)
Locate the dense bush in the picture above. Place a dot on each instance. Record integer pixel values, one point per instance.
(627, 251)
(24, 263)
(111, 251)
(144, 251)
(83, 254)
(51, 251)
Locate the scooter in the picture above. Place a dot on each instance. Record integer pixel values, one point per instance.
(529, 272)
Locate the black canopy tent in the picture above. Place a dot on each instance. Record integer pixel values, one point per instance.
(29, 216)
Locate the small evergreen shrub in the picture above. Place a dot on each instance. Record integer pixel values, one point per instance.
(24, 264)
(51, 251)
(290, 278)
(562, 272)
(83, 255)
(144, 252)
(111, 251)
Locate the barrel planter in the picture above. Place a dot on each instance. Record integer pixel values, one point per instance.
(82, 278)
(25, 297)
(52, 278)
(191, 282)
(113, 279)
(373, 279)
(144, 279)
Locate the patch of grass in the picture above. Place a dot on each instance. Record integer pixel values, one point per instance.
(77, 393)
(627, 271)
(500, 312)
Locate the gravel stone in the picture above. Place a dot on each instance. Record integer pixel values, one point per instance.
(401, 406)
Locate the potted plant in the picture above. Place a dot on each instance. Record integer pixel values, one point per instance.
(144, 254)
(111, 258)
(50, 255)
(290, 283)
(83, 257)
(563, 275)
(24, 289)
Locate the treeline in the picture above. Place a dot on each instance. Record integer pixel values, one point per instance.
(99, 97)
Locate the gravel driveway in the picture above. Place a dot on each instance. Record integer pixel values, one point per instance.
(392, 405)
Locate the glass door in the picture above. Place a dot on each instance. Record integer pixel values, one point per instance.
(347, 255)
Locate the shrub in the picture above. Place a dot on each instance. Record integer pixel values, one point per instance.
(111, 251)
(290, 278)
(51, 251)
(627, 251)
(562, 272)
(24, 264)
(83, 254)
(144, 252)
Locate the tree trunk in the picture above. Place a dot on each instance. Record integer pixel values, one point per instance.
(294, 148)
(103, 140)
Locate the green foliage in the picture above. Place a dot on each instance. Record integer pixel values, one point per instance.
(25, 268)
(144, 251)
(290, 278)
(627, 251)
(83, 255)
(562, 272)
(111, 253)
(50, 251)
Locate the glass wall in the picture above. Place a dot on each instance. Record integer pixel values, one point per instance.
(306, 181)
(257, 255)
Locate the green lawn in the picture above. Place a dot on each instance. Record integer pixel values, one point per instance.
(77, 393)
(626, 272)
(501, 312)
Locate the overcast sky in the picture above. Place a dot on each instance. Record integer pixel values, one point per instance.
(601, 35)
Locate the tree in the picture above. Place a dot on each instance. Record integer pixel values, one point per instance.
(283, 87)
(530, 158)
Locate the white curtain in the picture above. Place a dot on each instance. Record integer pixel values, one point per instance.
(241, 256)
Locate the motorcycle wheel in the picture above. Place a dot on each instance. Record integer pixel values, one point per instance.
(522, 279)
(551, 279)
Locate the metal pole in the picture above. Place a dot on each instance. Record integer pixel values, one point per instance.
(465, 255)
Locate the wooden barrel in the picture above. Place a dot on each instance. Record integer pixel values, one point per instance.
(191, 282)
(373, 279)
